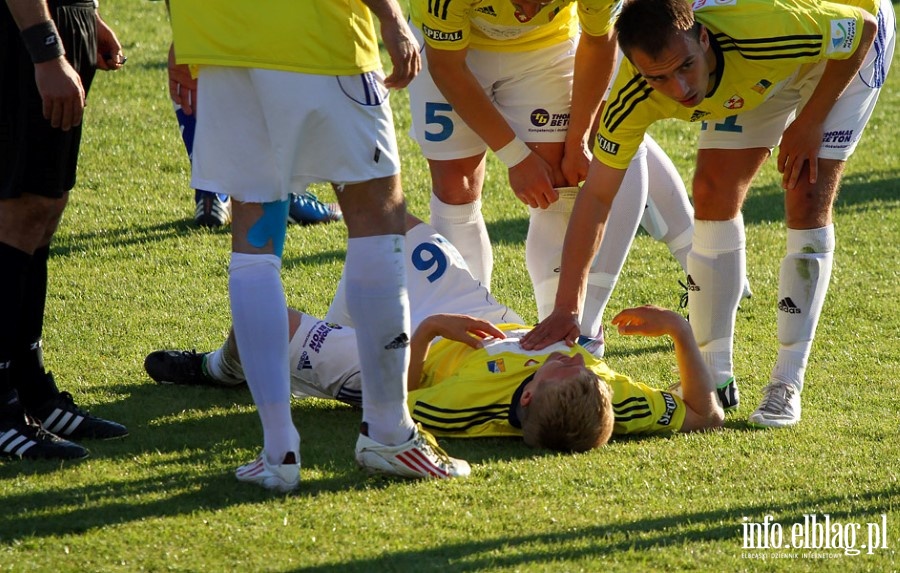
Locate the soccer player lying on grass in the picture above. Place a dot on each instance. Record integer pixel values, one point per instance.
(469, 378)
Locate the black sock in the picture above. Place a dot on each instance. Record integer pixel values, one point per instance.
(15, 265)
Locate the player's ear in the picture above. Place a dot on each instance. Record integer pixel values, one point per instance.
(525, 398)
(703, 37)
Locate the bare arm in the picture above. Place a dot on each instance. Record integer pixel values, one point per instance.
(697, 385)
(595, 59)
(583, 237)
(400, 43)
(803, 138)
(459, 327)
(62, 94)
(532, 179)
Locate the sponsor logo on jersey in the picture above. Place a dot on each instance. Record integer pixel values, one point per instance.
(698, 115)
(788, 306)
(486, 10)
(496, 366)
(734, 102)
(441, 36)
(401, 341)
(610, 147)
(542, 118)
(671, 405)
(843, 32)
(761, 86)
(841, 136)
(317, 336)
(304, 363)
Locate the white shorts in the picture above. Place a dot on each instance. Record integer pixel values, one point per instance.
(532, 90)
(324, 358)
(764, 125)
(262, 134)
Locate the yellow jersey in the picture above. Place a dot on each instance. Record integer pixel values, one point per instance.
(322, 37)
(467, 392)
(757, 44)
(496, 25)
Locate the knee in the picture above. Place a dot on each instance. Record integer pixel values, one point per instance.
(457, 181)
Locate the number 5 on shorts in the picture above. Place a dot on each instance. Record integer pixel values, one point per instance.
(433, 109)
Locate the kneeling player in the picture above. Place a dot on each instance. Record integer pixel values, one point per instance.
(475, 380)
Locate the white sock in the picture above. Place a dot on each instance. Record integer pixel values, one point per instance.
(803, 282)
(463, 226)
(618, 234)
(543, 249)
(377, 300)
(714, 286)
(669, 216)
(224, 366)
(337, 311)
(259, 315)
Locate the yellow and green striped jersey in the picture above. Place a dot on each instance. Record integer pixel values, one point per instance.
(468, 392)
(495, 25)
(757, 45)
(322, 37)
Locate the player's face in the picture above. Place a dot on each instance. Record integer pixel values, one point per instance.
(682, 71)
(559, 366)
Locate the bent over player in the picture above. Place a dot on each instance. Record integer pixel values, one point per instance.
(795, 73)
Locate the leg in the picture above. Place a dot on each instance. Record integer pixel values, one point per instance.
(618, 234)
(212, 209)
(259, 316)
(376, 299)
(456, 211)
(717, 259)
(802, 285)
(669, 216)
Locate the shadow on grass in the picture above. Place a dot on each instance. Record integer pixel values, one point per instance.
(180, 447)
(603, 539)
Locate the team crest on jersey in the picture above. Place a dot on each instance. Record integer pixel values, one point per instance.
(698, 115)
(486, 10)
(496, 366)
(843, 32)
(761, 86)
(734, 102)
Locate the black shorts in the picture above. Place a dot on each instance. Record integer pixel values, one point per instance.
(35, 157)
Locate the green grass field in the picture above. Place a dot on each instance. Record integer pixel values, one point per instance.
(131, 274)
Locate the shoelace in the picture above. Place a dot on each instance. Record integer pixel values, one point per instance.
(66, 402)
(427, 441)
(775, 401)
(192, 365)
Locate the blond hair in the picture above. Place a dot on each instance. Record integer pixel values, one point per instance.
(571, 415)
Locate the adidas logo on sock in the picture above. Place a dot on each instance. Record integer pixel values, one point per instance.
(402, 341)
(691, 285)
(788, 306)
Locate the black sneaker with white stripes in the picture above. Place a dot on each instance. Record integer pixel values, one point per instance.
(23, 439)
(61, 416)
